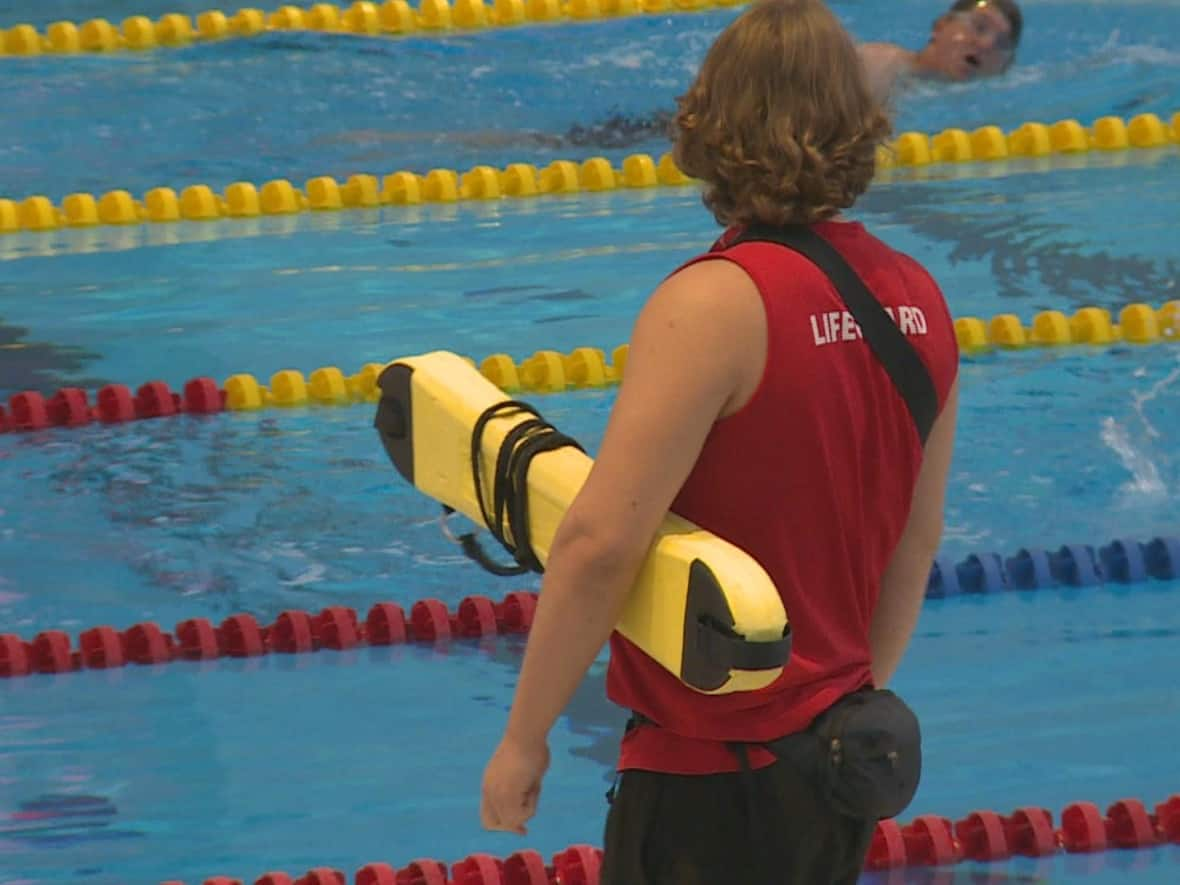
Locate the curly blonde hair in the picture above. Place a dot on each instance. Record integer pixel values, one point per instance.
(780, 124)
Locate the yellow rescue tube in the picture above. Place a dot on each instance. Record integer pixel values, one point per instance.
(701, 607)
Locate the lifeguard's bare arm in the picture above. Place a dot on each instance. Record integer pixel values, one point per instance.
(903, 587)
(695, 346)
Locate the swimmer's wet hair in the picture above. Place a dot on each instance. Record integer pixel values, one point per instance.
(1006, 8)
(780, 123)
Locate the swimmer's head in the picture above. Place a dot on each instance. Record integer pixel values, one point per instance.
(780, 123)
(974, 38)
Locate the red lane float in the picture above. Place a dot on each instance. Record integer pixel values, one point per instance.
(1030, 832)
(336, 627)
(928, 840)
(114, 404)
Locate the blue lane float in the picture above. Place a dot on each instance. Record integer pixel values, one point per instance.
(1122, 561)
(1163, 557)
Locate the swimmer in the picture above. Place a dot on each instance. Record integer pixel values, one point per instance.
(809, 422)
(971, 40)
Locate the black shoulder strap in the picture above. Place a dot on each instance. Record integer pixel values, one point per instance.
(885, 339)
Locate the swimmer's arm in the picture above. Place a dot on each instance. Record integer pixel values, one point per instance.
(490, 138)
(885, 65)
(690, 346)
(903, 587)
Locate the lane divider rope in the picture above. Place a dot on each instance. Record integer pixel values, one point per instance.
(70, 407)
(1137, 324)
(392, 18)
(279, 196)
(1033, 139)
(242, 199)
(241, 636)
(546, 371)
(1122, 561)
(928, 840)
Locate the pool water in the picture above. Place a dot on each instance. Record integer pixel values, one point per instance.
(289, 762)
(347, 758)
(216, 112)
(301, 508)
(349, 288)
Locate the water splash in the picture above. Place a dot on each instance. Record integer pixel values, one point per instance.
(1145, 476)
(1141, 399)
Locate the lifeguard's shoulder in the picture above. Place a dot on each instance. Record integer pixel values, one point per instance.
(715, 295)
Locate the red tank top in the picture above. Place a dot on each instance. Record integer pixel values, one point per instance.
(813, 477)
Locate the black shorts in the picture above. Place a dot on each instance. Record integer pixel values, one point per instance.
(766, 827)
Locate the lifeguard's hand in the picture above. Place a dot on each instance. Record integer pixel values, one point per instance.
(512, 785)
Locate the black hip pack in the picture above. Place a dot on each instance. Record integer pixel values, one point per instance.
(863, 754)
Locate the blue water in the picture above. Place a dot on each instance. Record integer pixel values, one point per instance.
(348, 288)
(300, 105)
(344, 759)
(236, 767)
(1030, 698)
(179, 517)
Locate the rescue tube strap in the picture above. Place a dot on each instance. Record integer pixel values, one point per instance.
(508, 520)
(709, 640)
(719, 643)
